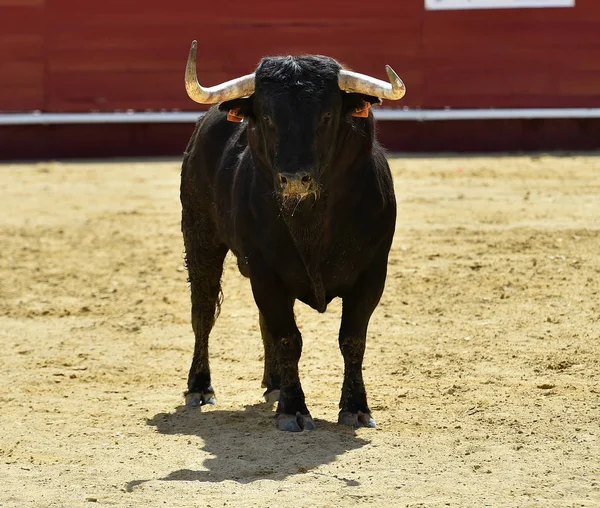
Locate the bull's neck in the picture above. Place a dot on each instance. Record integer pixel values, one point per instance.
(305, 219)
(306, 223)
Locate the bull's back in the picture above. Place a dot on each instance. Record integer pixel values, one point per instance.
(212, 138)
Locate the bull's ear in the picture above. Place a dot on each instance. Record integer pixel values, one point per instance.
(237, 109)
(358, 104)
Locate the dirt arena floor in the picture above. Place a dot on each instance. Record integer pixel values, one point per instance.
(482, 363)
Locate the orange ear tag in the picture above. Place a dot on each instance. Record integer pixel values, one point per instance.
(233, 115)
(362, 111)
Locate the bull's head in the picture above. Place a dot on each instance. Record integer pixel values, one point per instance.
(297, 109)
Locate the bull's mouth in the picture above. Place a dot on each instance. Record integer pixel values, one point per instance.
(291, 201)
(298, 196)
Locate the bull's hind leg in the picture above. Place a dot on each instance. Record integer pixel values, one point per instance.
(358, 306)
(204, 260)
(271, 377)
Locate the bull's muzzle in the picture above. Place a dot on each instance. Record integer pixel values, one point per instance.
(296, 185)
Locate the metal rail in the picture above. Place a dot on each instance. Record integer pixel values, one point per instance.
(421, 115)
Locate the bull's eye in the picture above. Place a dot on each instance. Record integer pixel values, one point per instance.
(327, 118)
(267, 120)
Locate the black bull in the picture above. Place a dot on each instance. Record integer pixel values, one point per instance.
(302, 194)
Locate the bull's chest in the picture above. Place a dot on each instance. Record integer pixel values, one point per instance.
(326, 270)
(317, 255)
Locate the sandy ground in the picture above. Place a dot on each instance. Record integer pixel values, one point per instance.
(482, 363)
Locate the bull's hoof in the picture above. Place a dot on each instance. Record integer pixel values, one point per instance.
(271, 396)
(295, 423)
(356, 420)
(193, 399)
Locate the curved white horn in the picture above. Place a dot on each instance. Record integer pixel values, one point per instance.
(229, 90)
(350, 81)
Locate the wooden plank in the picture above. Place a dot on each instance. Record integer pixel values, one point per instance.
(64, 141)
(21, 47)
(21, 55)
(21, 19)
(22, 3)
(21, 86)
(168, 52)
(101, 91)
(17, 74)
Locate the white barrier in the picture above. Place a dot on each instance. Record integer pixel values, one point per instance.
(39, 118)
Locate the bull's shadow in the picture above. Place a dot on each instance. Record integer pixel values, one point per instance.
(247, 447)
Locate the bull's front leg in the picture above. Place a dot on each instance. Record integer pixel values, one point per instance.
(271, 377)
(358, 306)
(277, 319)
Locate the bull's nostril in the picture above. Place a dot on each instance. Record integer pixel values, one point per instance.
(282, 180)
(306, 179)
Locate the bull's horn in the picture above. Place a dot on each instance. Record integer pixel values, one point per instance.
(361, 83)
(238, 87)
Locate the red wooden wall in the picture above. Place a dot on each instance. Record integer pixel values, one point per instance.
(71, 55)
(77, 56)
(512, 57)
(120, 54)
(22, 54)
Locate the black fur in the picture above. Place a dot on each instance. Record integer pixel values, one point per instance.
(333, 243)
